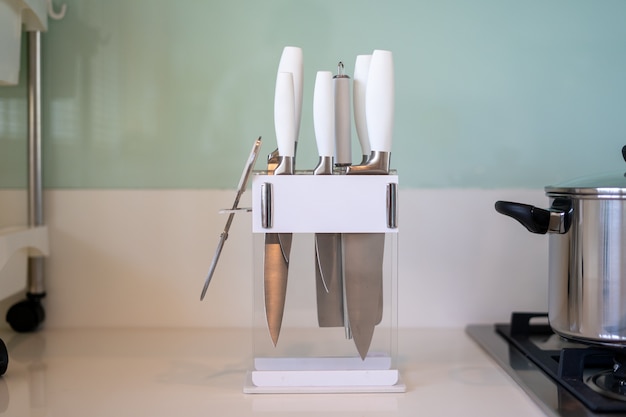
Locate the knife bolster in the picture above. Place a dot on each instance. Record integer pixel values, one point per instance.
(377, 164)
(324, 166)
(286, 166)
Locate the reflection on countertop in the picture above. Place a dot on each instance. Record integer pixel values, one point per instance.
(199, 372)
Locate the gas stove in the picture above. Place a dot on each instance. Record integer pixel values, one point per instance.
(565, 378)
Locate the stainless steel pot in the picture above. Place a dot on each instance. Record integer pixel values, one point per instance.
(587, 255)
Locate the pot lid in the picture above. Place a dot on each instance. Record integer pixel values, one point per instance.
(607, 185)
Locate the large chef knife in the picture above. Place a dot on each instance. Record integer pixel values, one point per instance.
(287, 111)
(363, 252)
(328, 279)
(359, 88)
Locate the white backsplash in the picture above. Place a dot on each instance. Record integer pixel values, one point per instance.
(139, 258)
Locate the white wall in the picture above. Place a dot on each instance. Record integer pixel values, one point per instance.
(139, 257)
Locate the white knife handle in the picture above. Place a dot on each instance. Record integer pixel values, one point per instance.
(343, 126)
(284, 118)
(291, 61)
(359, 86)
(324, 113)
(379, 101)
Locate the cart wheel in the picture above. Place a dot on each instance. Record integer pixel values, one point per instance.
(26, 315)
(4, 358)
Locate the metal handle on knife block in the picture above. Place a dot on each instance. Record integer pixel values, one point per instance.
(266, 205)
(392, 206)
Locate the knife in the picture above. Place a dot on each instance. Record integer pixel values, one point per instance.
(359, 88)
(363, 252)
(328, 279)
(287, 110)
(278, 245)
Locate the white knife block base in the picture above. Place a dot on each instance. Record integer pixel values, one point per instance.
(309, 358)
(323, 375)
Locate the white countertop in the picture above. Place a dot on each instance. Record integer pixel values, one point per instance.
(201, 372)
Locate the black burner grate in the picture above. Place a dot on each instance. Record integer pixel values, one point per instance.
(566, 366)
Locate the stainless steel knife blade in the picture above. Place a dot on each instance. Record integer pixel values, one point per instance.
(274, 284)
(329, 281)
(363, 255)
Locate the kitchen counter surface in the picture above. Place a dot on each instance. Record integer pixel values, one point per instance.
(200, 372)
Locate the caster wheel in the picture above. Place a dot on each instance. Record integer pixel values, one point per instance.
(4, 358)
(26, 316)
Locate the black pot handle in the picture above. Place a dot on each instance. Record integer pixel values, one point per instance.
(535, 219)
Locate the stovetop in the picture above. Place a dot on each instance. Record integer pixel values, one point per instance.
(560, 375)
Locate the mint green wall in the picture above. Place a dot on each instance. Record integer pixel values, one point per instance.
(171, 94)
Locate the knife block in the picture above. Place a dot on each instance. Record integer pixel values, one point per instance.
(308, 358)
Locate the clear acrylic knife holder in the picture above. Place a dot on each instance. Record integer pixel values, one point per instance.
(308, 357)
